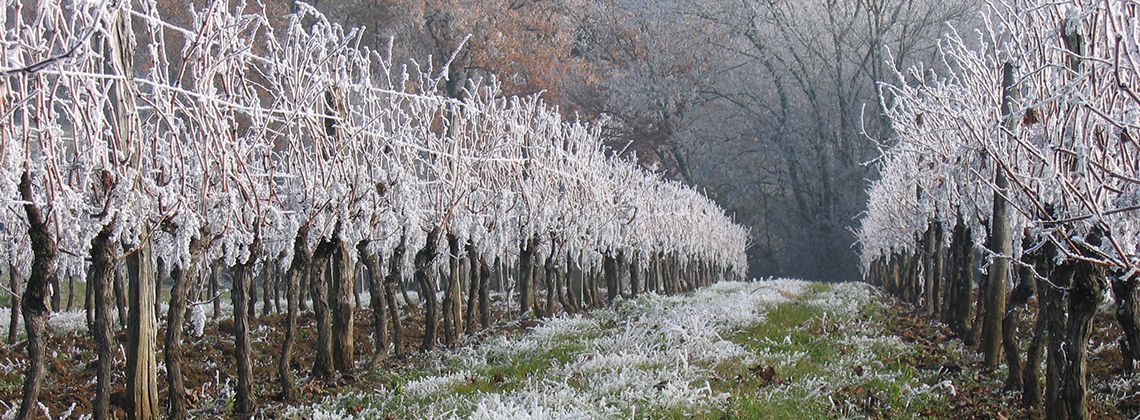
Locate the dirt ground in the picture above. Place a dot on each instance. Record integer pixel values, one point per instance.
(985, 398)
(208, 367)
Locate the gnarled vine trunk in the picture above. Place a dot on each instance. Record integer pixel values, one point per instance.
(244, 401)
(318, 290)
(426, 282)
(298, 269)
(177, 407)
(342, 305)
(37, 297)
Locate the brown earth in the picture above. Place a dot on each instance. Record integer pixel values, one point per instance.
(208, 365)
(985, 397)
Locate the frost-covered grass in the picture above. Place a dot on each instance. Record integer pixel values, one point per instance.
(67, 322)
(702, 355)
(63, 322)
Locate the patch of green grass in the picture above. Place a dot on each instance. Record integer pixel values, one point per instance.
(803, 342)
(818, 287)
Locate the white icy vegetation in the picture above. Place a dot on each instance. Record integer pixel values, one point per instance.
(1068, 142)
(655, 355)
(261, 137)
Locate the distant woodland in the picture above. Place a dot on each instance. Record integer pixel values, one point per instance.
(770, 107)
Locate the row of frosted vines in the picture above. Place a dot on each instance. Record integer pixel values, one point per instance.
(1014, 176)
(134, 146)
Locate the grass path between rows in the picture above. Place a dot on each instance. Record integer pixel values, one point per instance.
(776, 349)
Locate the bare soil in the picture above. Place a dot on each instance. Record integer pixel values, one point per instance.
(208, 364)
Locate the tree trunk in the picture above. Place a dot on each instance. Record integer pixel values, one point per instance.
(635, 275)
(244, 399)
(928, 269)
(547, 270)
(277, 289)
(472, 265)
(1055, 310)
(609, 268)
(1087, 290)
(426, 281)
(999, 241)
(266, 288)
(452, 297)
(484, 295)
(560, 280)
(99, 280)
(375, 279)
(390, 282)
(14, 321)
(56, 296)
(215, 287)
(182, 276)
(89, 301)
(298, 269)
(37, 297)
(304, 286)
(973, 336)
(159, 276)
(939, 266)
(1031, 380)
(251, 294)
(358, 284)
(1041, 262)
(1018, 298)
(71, 293)
(142, 332)
(121, 299)
(343, 307)
(526, 276)
(318, 289)
(1128, 314)
(961, 283)
(577, 288)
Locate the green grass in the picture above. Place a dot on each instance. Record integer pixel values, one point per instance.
(827, 363)
(803, 343)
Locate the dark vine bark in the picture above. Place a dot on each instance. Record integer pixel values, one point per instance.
(318, 289)
(298, 269)
(342, 305)
(526, 276)
(244, 400)
(452, 298)
(1088, 288)
(609, 270)
(472, 273)
(177, 407)
(426, 282)
(37, 297)
(142, 334)
(1018, 299)
(1125, 290)
(376, 299)
(14, 319)
(99, 280)
(1054, 309)
(391, 281)
(484, 295)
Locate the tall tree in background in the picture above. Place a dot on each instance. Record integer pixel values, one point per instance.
(768, 105)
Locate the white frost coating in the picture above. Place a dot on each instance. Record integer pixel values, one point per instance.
(197, 321)
(1069, 145)
(652, 353)
(63, 323)
(331, 139)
